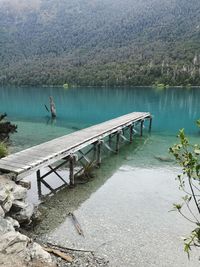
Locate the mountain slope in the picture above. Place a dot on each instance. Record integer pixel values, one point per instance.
(99, 42)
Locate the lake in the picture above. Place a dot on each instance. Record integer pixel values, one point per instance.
(124, 209)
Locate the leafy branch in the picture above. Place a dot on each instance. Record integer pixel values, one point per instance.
(187, 156)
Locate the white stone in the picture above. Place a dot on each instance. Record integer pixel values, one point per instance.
(14, 222)
(13, 243)
(2, 213)
(19, 192)
(38, 253)
(5, 226)
(19, 204)
(25, 213)
(7, 203)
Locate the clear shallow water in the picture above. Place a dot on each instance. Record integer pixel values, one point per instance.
(124, 209)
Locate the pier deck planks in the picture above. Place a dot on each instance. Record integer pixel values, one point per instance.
(34, 158)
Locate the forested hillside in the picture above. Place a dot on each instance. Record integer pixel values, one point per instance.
(99, 42)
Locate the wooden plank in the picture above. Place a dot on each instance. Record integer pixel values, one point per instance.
(11, 168)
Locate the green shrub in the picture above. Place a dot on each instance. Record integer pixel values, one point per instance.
(3, 150)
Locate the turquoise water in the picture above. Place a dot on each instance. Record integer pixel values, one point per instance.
(77, 108)
(123, 210)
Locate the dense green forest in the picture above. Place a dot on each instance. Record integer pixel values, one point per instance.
(99, 42)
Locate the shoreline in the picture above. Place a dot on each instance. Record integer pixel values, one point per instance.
(102, 86)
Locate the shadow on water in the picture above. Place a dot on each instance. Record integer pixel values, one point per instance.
(55, 208)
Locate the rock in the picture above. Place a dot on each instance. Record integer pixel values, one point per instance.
(23, 215)
(18, 205)
(6, 182)
(14, 243)
(14, 261)
(6, 188)
(5, 226)
(25, 184)
(7, 204)
(14, 222)
(126, 168)
(37, 215)
(37, 253)
(19, 192)
(2, 213)
(162, 158)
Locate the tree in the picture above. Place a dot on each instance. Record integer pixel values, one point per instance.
(187, 156)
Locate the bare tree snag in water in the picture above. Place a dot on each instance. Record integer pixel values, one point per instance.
(52, 107)
(6, 128)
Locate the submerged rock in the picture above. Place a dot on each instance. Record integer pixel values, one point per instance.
(163, 158)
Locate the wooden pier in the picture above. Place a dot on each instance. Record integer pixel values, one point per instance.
(69, 148)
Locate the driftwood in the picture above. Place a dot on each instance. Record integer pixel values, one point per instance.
(64, 249)
(6, 128)
(52, 107)
(76, 224)
(58, 253)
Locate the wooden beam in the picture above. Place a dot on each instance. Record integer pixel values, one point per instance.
(141, 127)
(71, 170)
(39, 184)
(131, 133)
(150, 123)
(53, 170)
(99, 153)
(117, 141)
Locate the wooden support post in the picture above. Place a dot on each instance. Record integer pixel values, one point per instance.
(131, 133)
(117, 141)
(110, 140)
(71, 170)
(39, 183)
(99, 153)
(141, 127)
(150, 124)
(94, 151)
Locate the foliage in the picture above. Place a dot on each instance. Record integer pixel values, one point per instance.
(3, 150)
(188, 157)
(99, 43)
